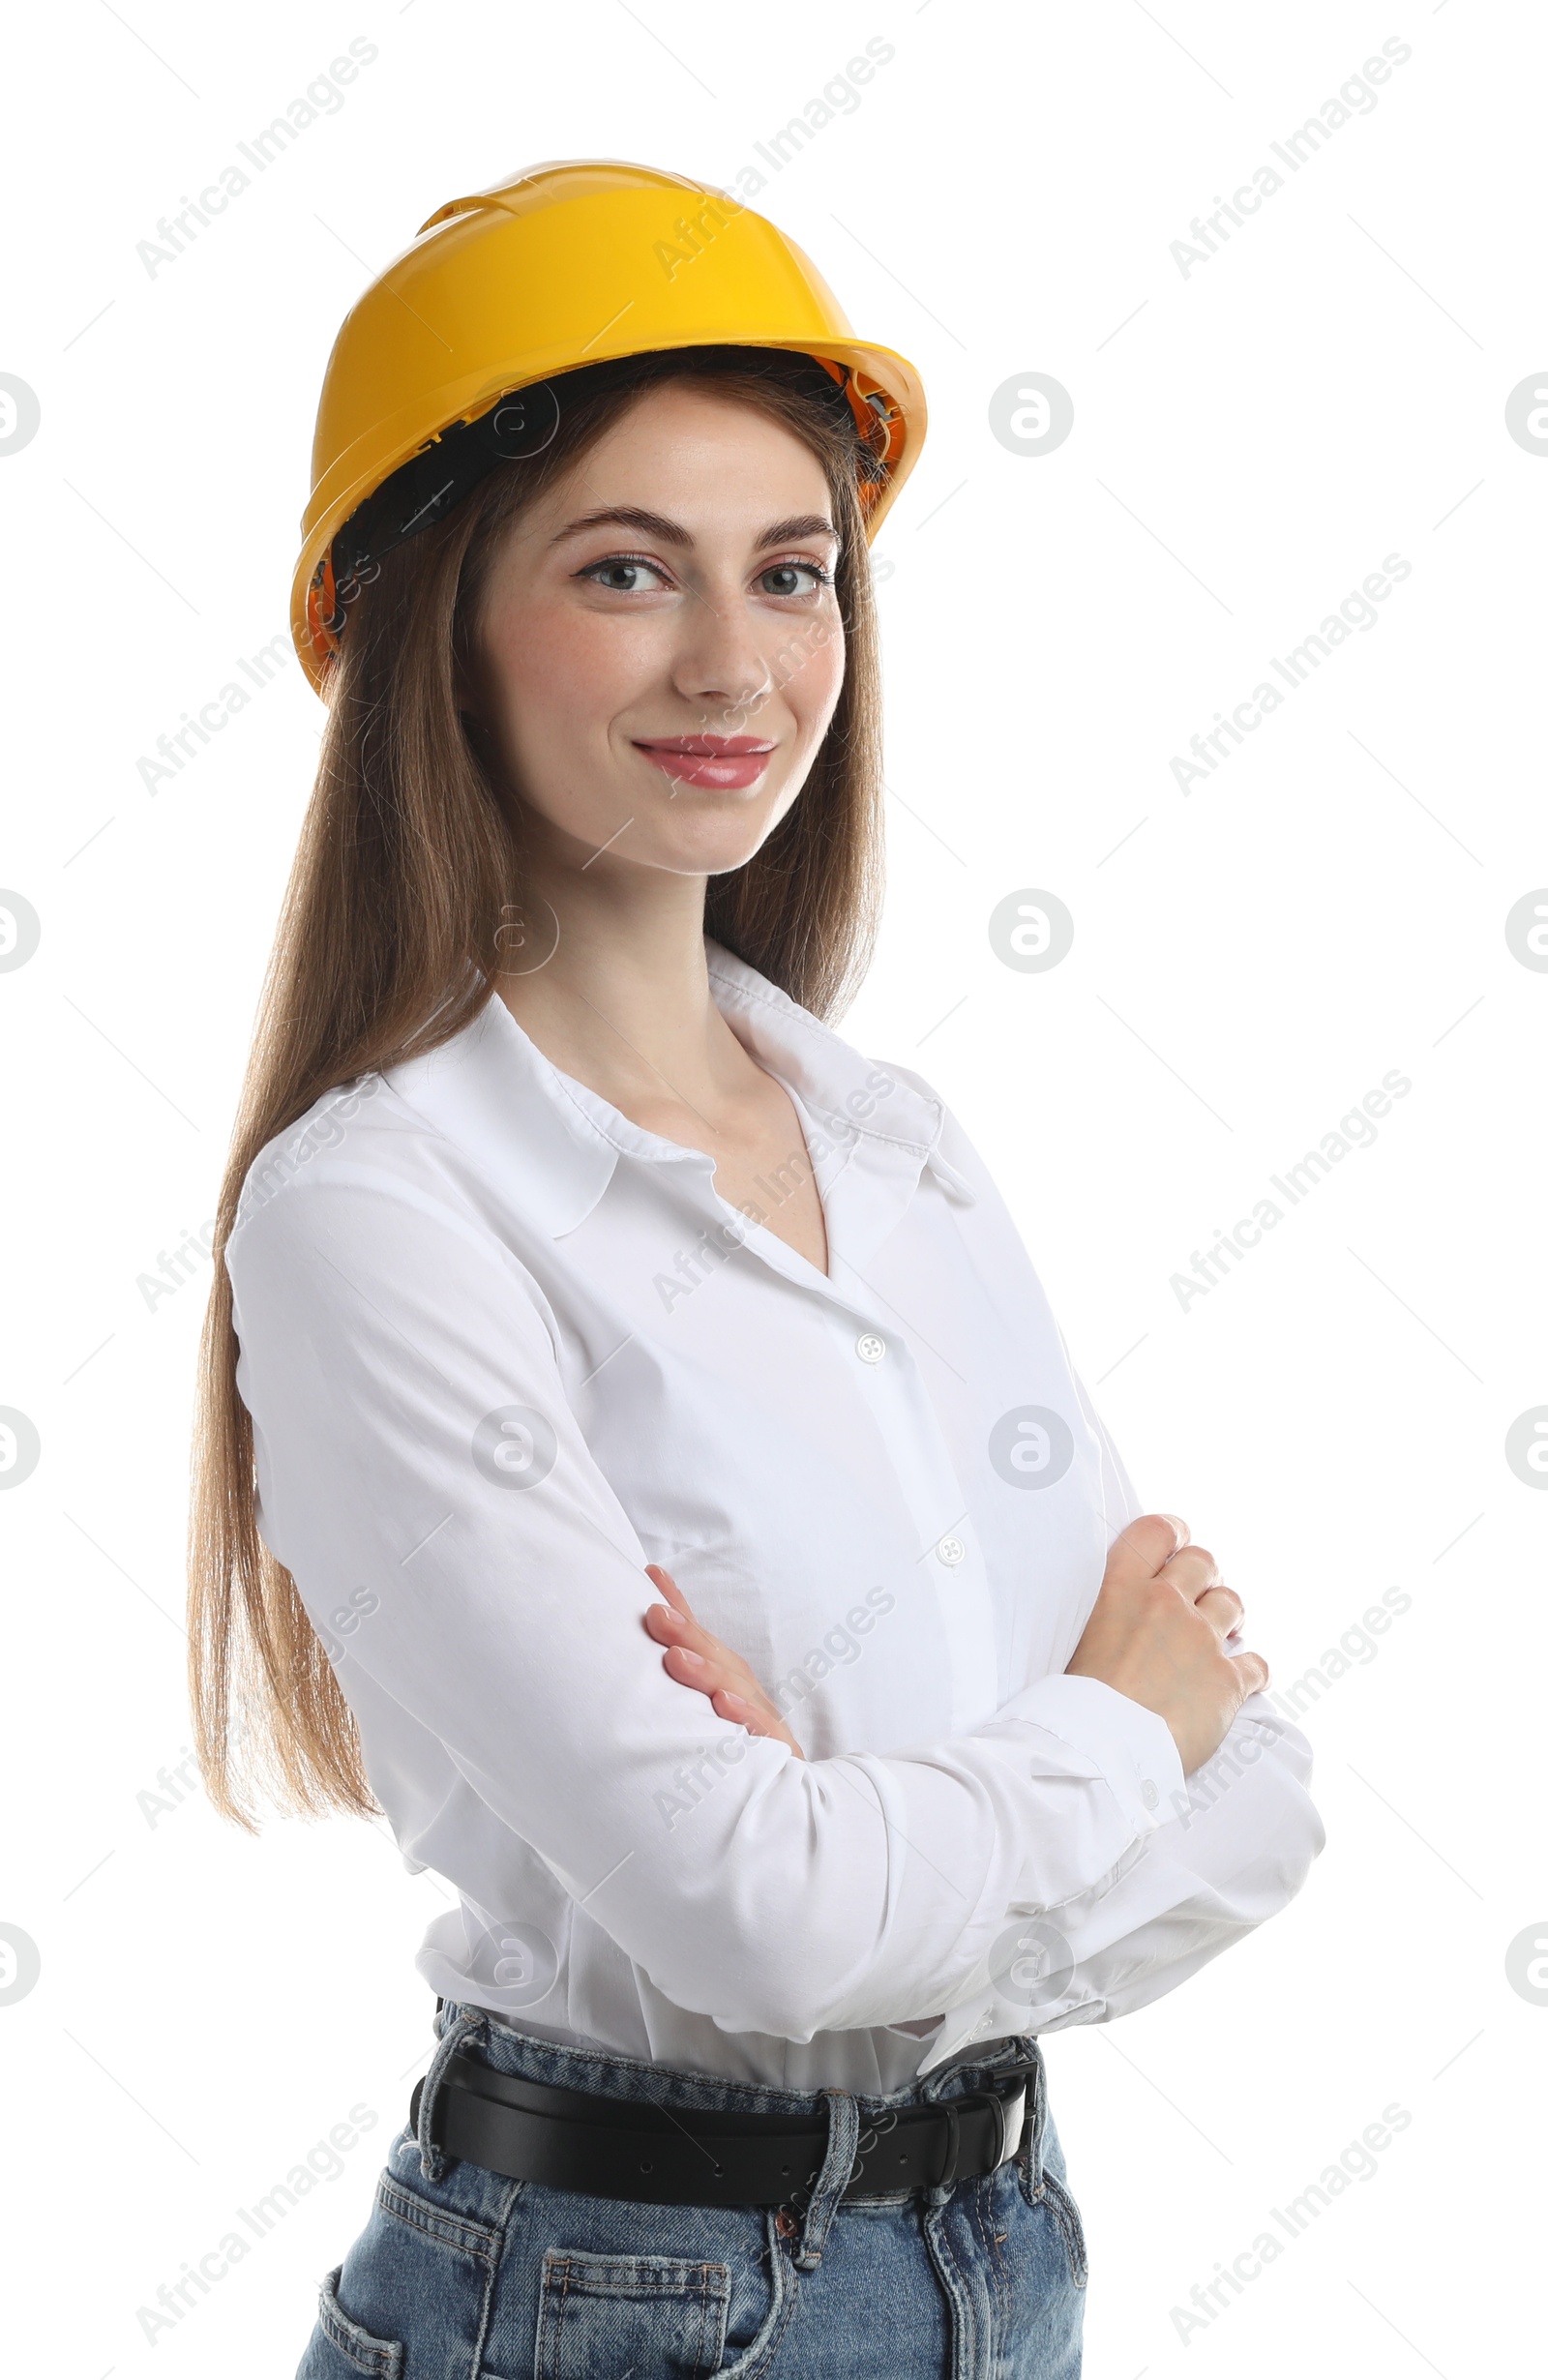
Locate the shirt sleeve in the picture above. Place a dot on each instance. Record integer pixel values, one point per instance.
(1229, 1847)
(1237, 1841)
(423, 1480)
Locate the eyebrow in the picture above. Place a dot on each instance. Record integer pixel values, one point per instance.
(672, 533)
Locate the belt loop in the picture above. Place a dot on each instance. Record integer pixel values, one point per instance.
(946, 2180)
(844, 2138)
(1036, 2119)
(467, 2021)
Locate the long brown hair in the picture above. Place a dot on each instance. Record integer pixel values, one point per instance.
(386, 947)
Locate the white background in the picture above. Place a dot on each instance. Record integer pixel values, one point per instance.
(1250, 440)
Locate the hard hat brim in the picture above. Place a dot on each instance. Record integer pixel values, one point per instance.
(360, 473)
(485, 272)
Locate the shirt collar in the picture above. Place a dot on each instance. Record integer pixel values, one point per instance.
(551, 1143)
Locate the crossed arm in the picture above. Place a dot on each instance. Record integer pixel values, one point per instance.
(1157, 1633)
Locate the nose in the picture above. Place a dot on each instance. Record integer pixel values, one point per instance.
(721, 667)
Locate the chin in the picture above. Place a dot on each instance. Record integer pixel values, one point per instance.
(723, 847)
(722, 831)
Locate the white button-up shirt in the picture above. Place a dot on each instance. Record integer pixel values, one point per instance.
(502, 1348)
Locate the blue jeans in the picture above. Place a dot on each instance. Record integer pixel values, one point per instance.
(462, 2274)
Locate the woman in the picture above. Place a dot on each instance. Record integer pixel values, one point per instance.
(678, 1509)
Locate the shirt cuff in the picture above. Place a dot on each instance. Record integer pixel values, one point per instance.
(1131, 1747)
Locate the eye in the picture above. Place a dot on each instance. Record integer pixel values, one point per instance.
(620, 574)
(789, 573)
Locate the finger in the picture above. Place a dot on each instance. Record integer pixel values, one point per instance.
(737, 1707)
(670, 1589)
(1252, 1669)
(743, 1714)
(1145, 1544)
(670, 1627)
(1193, 1570)
(1222, 1607)
(708, 1674)
(688, 1667)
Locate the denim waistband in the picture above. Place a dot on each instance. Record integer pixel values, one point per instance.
(849, 2120)
(846, 2117)
(493, 2038)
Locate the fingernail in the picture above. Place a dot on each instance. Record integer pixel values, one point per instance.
(683, 1654)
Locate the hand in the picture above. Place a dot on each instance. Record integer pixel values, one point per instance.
(696, 1659)
(1157, 1631)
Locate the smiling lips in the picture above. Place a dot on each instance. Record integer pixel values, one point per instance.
(730, 762)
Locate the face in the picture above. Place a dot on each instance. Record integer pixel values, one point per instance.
(658, 648)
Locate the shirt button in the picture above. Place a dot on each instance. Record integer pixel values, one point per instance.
(869, 1348)
(1149, 1793)
(951, 1551)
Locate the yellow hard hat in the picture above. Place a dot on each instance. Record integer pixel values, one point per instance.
(564, 266)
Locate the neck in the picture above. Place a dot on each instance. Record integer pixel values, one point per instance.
(620, 997)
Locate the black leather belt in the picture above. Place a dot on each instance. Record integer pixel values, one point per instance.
(607, 2148)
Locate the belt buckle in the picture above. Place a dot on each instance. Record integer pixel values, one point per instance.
(1010, 2111)
(1012, 2122)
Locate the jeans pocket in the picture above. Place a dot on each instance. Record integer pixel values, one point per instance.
(339, 2348)
(660, 2318)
